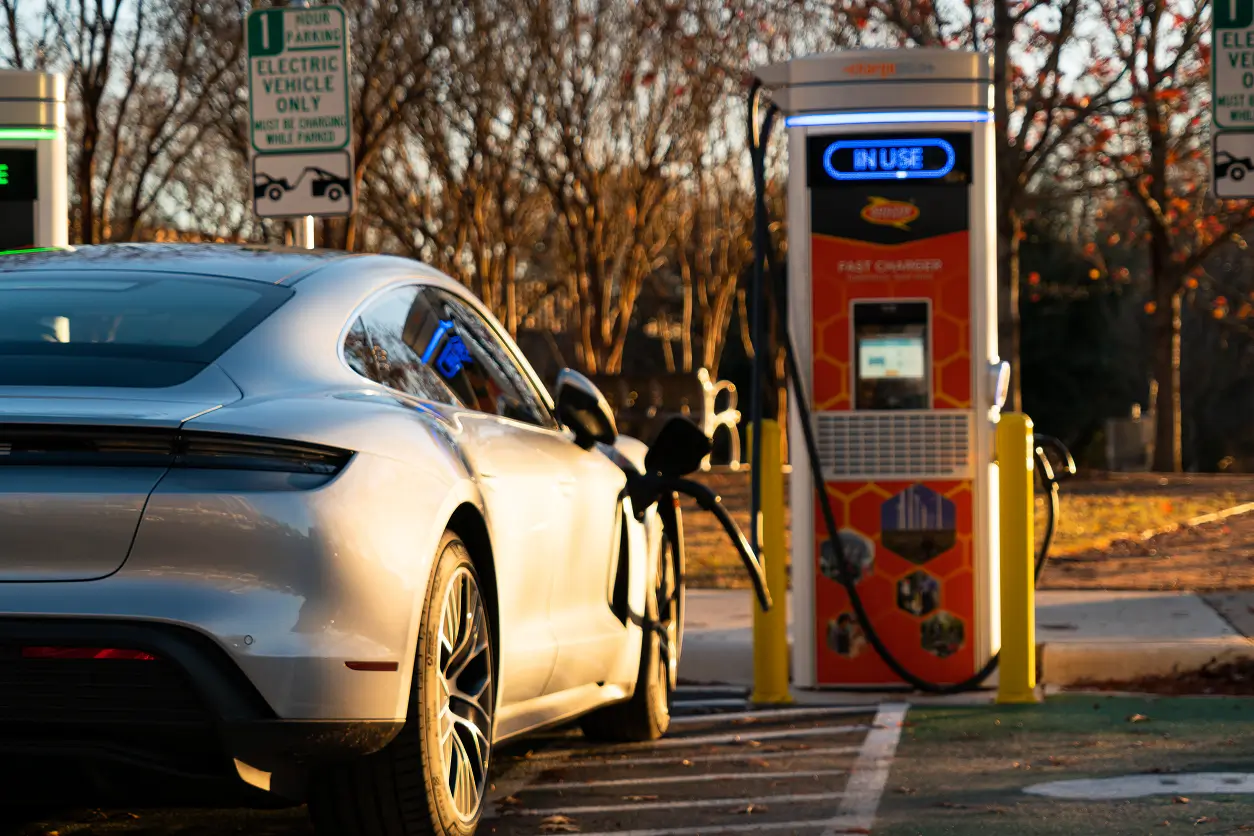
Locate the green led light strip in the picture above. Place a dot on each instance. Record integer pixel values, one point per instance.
(28, 133)
(30, 250)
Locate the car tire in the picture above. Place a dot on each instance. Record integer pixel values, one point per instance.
(334, 194)
(646, 716)
(1237, 173)
(275, 193)
(413, 786)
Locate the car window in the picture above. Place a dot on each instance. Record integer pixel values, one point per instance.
(380, 345)
(122, 329)
(477, 365)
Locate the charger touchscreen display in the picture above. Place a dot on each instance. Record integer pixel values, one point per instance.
(891, 357)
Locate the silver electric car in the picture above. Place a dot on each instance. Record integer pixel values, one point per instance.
(307, 526)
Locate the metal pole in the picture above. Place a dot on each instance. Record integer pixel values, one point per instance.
(303, 232)
(770, 629)
(1017, 680)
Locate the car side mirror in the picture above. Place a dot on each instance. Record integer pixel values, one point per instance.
(679, 448)
(583, 410)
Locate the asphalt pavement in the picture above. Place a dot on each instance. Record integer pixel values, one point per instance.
(725, 767)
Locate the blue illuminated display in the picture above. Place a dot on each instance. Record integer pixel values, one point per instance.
(443, 328)
(894, 117)
(899, 159)
(454, 356)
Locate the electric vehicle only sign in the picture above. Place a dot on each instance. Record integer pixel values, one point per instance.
(1232, 66)
(298, 90)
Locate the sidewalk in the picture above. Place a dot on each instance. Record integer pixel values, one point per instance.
(1081, 635)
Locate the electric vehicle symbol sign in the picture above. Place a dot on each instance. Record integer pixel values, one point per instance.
(287, 185)
(918, 524)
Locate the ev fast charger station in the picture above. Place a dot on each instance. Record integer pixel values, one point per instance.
(34, 197)
(892, 304)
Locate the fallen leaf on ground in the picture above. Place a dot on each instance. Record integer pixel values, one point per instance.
(749, 809)
(1138, 718)
(1180, 799)
(640, 798)
(995, 809)
(951, 805)
(1205, 820)
(558, 824)
(906, 790)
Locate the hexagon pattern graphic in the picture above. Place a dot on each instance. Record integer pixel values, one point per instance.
(949, 292)
(845, 637)
(859, 552)
(943, 634)
(899, 595)
(918, 589)
(919, 524)
(918, 593)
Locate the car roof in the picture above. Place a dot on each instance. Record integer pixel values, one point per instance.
(259, 263)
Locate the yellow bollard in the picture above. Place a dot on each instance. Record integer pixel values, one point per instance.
(1017, 670)
(770, 629)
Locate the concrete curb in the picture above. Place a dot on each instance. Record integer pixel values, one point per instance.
(1070, 663)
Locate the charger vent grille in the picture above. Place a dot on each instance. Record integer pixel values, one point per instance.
(897, 445)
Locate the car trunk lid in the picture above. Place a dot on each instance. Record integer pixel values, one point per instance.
(77, 467)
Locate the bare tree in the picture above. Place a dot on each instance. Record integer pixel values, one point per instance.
(624, 94)
(1154, 151)
(1041, 101)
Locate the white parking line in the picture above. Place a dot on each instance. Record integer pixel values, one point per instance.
(773, 715)
(699, 740)
(765, 800)
(721, 703)
(681, 779)
(709, 829)
(870, 772)
(752, 754)
(713, 689)
(738, 737)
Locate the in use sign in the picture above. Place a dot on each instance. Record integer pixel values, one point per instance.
(298, 79)
(1232, 73)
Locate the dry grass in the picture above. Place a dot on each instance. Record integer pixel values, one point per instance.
(1095, 512)
(1088, 521)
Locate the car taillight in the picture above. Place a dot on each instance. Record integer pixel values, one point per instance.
(131, 447)
(233, 452)
(86, 653)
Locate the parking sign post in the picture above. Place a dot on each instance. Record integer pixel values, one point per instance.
(1232, 95)
(300, 126)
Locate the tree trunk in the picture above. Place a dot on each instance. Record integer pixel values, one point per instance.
(1166, 332)
(86, 182)
(1008, 222)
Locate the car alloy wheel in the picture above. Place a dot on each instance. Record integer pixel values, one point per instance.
(466, 694)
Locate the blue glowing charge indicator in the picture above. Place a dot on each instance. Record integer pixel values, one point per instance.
(908, 159)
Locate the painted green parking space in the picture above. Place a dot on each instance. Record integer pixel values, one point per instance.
(964, 770)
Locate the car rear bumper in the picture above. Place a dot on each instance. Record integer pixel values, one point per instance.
(187, 718)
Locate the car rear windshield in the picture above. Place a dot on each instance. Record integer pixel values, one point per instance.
(132, 330)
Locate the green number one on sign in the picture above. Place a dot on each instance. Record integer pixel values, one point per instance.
(265, 32)
(1234, 14)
